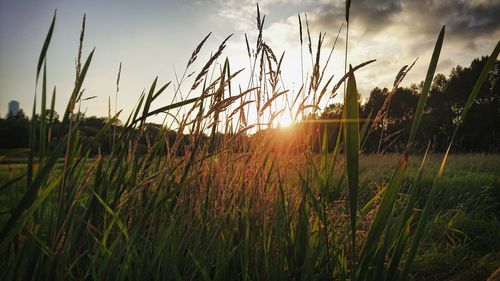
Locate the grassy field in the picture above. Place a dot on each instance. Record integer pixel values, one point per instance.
(461, 244)
(223, 203)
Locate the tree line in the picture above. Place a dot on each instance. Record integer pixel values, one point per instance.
(386, 117)
(480, 131)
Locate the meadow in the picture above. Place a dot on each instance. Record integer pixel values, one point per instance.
(232, 202)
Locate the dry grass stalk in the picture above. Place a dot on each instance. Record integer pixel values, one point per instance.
(205, 69)
(194, 55)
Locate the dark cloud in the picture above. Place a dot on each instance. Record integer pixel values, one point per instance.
(371, 16)
(465, 19)
(395, 32)
(374, 15)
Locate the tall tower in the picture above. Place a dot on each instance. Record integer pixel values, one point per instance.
(13, 108)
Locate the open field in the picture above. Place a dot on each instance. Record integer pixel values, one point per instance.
(470, 171)
(462, 242)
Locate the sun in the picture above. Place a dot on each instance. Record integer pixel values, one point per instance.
(285, 121)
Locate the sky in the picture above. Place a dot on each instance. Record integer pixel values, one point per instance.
(156, 38)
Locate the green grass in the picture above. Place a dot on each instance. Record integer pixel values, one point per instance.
(462, 236)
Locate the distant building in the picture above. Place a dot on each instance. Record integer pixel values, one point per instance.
(13, 108)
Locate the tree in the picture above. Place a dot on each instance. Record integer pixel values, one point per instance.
(14, 131)
(480, 130)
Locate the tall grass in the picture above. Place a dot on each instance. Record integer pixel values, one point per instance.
(229, 207)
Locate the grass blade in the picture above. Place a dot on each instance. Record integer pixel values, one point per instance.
(10, 234)
(351, 140)
(45, 46)
(427, 85)
(381, 218)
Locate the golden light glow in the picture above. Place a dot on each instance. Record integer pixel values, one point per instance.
(284, 120)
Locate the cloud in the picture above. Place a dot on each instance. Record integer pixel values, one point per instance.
(464, 19)
(370, 17)
(395, 32)
(237, 13)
